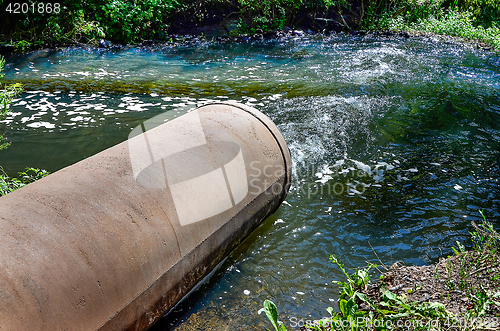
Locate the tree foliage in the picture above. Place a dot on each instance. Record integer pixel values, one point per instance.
(133, 21)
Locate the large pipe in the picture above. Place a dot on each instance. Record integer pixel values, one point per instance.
(116, 240)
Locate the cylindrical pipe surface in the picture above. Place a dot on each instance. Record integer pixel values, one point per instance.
(114, 241)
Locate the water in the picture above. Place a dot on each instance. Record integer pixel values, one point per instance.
(395, 145)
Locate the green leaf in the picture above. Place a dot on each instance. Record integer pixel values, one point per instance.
(385, 312)
(343, 309)
(363, 297)
(398, 316)
(272, 313)
(351, 306)
(436, 305)
(389, 295)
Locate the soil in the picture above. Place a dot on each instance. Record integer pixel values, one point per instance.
(453, 281)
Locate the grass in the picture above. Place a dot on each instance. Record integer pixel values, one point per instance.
(367, 306)
(454, 23)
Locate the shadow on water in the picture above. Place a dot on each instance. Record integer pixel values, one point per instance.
(395, 145)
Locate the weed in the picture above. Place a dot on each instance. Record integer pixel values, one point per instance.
(29, 175)
(483, 299)
(7, 93)
(356, 307)
(272, 314)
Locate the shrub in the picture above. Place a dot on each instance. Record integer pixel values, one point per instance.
(7, 93)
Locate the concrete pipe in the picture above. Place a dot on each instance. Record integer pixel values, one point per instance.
(116, 240)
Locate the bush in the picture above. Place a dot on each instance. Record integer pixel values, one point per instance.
(7, 93)
(122, 21)
(452, 23)
(131, 21)
(29, 175)
(485, 12)
(267, 14)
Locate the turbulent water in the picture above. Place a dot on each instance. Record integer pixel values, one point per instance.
(395, 144)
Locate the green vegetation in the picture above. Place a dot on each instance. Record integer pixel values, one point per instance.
(468, 19)
(365, 306)
(7, 184)
(7, 93)
(29, 175)
(87, 21)
(132, 21)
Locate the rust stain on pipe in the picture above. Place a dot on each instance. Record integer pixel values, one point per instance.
(116, 240)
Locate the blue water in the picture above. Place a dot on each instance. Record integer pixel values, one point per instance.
(395, 144)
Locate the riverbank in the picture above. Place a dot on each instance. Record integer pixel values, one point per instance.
(459, 292)
(465, 283)
(287, 34)
(123, 22)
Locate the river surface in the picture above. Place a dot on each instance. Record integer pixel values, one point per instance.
(395, 144)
